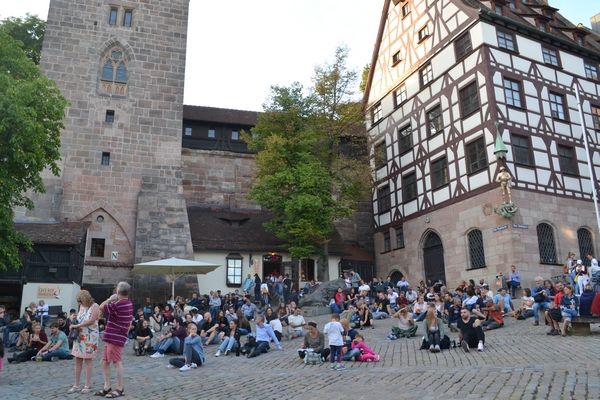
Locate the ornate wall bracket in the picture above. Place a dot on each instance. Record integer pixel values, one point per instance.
(506, 210)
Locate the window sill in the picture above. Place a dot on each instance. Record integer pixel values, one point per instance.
(394, 63)
(440, 186)
(386, 251)
(523, 165)
(399, 248)
(517, 108)
(571, 174)
(566, 121)
(472, 268)
(423, 39)
(432, 135)
(470, 114)
(513, 52)
(477, 171)
(409, 200)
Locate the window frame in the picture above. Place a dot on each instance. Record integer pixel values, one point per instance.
(400, 93)
(306, 267)
(546, 242)
(235, 258)
(380, 147)
(434, 172)
(109, 117)
(111, 21)
(214, 133)
(511, 89)
(423, 33)
(186, 132)
(235, 135)
(552, 57)
(405, 142)
(387, 241)
(376, 113)
(568, 165)
(468, 99)
(399, 232)
(396, 58)
(469, 163)
(405, 9)
(563, 104)
(595, 116)
(426, 71)
(588, 65)
(384, 200)
(429, 120)
(410, 191)
(105, 159)
(514, 137)
(505, 36)
(95, 245)
(459, 49)
(126, 12)
(476, 243)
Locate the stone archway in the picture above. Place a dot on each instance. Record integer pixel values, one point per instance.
(433, 258)
(395, 276)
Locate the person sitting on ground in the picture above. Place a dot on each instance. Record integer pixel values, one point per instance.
(366, 354)
(453, 314)
(170, 341)
(223, 325)
(339, 303)
(503, 296)
(349, 354)
(156, 320)
(392, 297)
(365, 315)
(209, 330)
(143, 338)
(470, 333)
(37, 339)
(430, 295)
(351, 298)
(553, 314)
(193, 353)
(231, 341)
(569, 308)
(494, 315)
(296, 324)
(248, 308)
(364, 288)
(526, 309)
(381, 309)
(167, 313)
(406, 325)
(313, 341)
(411, 295)
(273, 320)
(264, 335)
(433, 326)
(420, 309)
(541, 297)
(57, 347)
(401, 302)
(242, 323)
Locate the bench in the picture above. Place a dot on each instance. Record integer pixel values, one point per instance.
(581, 325)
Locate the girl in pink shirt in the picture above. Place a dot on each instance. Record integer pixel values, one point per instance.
(366, 353)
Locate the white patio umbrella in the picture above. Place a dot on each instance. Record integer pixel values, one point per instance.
(174, 267)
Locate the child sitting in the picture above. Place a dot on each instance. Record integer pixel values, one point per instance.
(366, 353)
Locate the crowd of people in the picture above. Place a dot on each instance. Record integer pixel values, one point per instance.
(186, 328)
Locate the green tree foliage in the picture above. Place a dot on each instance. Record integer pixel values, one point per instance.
(312, 166)
(31, 114)
(29, 32)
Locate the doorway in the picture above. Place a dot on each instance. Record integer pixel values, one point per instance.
(433, 259)
(271, 265)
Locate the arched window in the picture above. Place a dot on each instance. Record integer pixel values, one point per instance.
(114, 69)
(586, 245)
(107, 71)
(476, 252)
(545, 235)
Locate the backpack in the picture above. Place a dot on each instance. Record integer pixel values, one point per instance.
(444, 343)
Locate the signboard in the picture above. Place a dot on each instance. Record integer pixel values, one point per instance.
(520, 226)
(48, 292)
(114, 256)
(500, 228)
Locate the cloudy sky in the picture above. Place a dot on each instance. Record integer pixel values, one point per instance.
(237, 49)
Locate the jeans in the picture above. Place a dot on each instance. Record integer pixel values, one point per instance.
(513, 285)
(228, 343)
(536, 309)
(335, 308)
(568, 313)
(60, 353)
(380, 315)
(491, 324)
(10, 328)
(261, 347)
(190, 355)
(420, 317)
(171, 343)
(336, 354)
(352, 353)
(433, 337)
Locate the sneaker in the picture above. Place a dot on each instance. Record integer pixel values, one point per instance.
(551, 332)
(54, 358)
(480, 347)
(333, 366)
(193, 365)
(536, 323)
(437, 348)
(218, 353)
(465, 346)
(185, 368)
(157, 355)
(170, 366)
(340, 367)
(227, 352)
(431, 347)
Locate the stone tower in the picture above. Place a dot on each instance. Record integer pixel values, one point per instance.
(121, 65)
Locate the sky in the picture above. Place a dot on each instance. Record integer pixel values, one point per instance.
(238, 49)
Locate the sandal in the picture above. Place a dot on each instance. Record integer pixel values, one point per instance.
(74, 389)
(102, 392)
(86, 389)
(114, 394)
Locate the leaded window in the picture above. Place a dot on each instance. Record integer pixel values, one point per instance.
(114, 68)
(409, 187)
(380, 155)
(384, 201)
(586, 245)
(557, 105)
(506, 40)
(435, 122)
(399, 237)
(404, 139)
(550, 56)
(567, 160)
(400, 95)
(591, 70)
(234, 269)
(387, 245)
(596, 117)
(469, 100)
(439, 173)
(521, 150)
(463, 46)
(426, 75)
(545, 235)
(476, 251)
(476, 156)
(512, 92)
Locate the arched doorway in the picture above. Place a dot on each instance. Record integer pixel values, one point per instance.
(395, 277)
(433, 258)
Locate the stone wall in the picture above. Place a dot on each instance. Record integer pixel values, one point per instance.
(503, 247)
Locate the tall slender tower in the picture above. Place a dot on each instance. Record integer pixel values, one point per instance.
(121, 65)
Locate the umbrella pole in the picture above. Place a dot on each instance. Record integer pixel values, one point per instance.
(173, 283)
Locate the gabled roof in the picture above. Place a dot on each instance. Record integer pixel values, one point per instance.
(60, 233)
(220, 115)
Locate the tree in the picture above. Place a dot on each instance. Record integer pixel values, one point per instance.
(312, 166)
(29, 32)
(31, 114)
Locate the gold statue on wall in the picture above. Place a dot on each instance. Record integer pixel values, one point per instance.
(505, 179)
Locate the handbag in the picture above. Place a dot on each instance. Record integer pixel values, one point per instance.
(74, 335)
(539, 297)
(312, 358)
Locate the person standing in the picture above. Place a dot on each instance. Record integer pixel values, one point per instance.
(248, 284)
(86, 345)
(514, 280)
(335, 336)
(119, 311)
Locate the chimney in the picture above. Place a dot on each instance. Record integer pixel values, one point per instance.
(595, 21)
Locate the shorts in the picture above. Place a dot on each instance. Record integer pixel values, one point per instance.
(112, 353)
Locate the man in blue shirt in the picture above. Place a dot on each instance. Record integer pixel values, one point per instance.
(541, 296)
(264, 334)
(514, 280)
(504, 299)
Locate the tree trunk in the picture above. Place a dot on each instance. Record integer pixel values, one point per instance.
(323, 271)
(295, 274)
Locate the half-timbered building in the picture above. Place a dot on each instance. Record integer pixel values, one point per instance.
(448, 77)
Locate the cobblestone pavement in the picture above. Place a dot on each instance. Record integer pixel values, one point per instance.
(520, 362)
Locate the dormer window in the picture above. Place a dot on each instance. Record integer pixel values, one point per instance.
(542, 25)
(579, 39)
(512, 4)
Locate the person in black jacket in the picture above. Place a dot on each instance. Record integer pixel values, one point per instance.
(470, 332)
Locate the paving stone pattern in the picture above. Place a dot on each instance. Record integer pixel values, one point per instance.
(520, 362)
